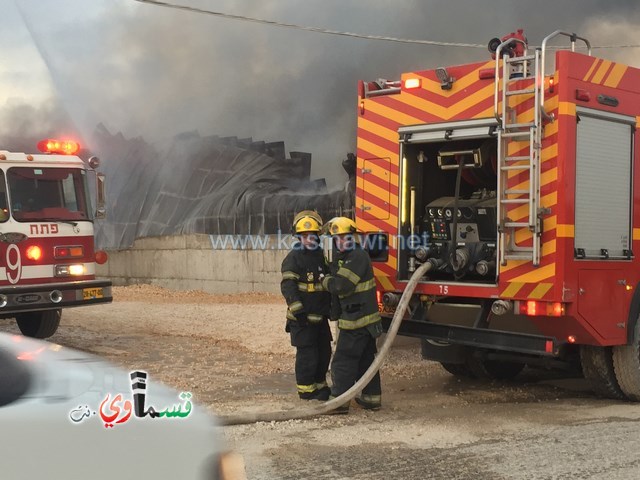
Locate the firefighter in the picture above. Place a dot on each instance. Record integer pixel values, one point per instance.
(308, 307)
(351, 280)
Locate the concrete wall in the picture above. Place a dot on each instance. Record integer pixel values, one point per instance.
(190, 262)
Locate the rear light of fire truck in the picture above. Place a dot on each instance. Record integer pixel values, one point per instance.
(68, 252)
(533, 308)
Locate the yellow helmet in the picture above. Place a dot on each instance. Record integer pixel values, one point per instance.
(341, 225)
(306, 223)
(307, 213)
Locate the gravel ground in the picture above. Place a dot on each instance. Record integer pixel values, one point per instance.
(231, 351)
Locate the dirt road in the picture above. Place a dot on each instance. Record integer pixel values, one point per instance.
(233, 354)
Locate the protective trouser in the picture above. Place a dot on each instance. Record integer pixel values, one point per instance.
(313, 354)
(355, 352)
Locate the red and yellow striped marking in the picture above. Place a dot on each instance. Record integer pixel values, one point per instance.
(469, 98)
(605, 72)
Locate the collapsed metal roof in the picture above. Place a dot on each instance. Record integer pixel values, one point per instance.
(210, 185)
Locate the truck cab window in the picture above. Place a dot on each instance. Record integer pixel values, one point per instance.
(48, 194)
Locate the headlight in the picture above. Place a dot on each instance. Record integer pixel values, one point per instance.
(69, 270)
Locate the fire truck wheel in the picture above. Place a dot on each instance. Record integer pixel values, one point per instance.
(626, 362)
(494, 369)
(597, 367)
(458, 369)
(39, 324)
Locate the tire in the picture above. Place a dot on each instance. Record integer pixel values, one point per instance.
(458, 369)
(39, 324)
(626, 363)
(494, 369)
(598, 369)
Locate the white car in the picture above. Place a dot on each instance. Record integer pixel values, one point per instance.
(66, 415)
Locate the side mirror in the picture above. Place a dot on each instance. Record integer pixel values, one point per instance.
(101, 196)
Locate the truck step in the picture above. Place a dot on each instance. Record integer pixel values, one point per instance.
(516, 134)
(518, 225)
(524, 58)
(518, 256)
(524, 91)
(515, 167)
(519, 125)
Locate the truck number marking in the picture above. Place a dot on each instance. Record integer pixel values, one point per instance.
(43, 228)
(444, 289)
(14, 264)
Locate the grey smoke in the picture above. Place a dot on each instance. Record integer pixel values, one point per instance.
(144, 70)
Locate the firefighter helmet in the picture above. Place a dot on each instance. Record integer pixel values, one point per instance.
(307, 213)
(341, 225)
(306, 223)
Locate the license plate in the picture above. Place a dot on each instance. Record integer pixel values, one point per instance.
(91, 293)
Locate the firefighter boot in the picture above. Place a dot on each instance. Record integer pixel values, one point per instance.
(323, 394)
(308, 395)
(369, 402)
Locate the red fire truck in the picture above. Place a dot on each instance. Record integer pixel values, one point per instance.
(47, 252)
(518, 178)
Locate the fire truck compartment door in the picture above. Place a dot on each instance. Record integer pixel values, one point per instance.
(482, 128)
(602, 301)
(603, 184)
(375, 197)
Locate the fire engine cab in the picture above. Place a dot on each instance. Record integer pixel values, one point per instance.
(518, 178)
(47, 254)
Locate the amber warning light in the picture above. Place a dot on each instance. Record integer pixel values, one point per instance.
(63, 147)
(410, 83)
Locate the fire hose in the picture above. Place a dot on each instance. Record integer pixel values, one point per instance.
(326, 407)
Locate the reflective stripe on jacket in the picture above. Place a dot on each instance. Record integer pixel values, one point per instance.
(301, 286)
(355, 287)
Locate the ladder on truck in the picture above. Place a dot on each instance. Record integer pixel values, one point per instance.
(529, 67)
(529, 138)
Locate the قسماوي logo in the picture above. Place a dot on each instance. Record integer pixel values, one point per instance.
(115, 411)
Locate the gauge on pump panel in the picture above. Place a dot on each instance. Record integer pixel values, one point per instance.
(432, 212)
(459, 213)
(448, 213)
(439, 212)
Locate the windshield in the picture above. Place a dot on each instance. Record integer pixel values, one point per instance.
(48, 194)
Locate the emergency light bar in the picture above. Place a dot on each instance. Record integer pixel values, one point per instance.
(63, 147)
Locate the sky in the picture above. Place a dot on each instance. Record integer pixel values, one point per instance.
(143, 70)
